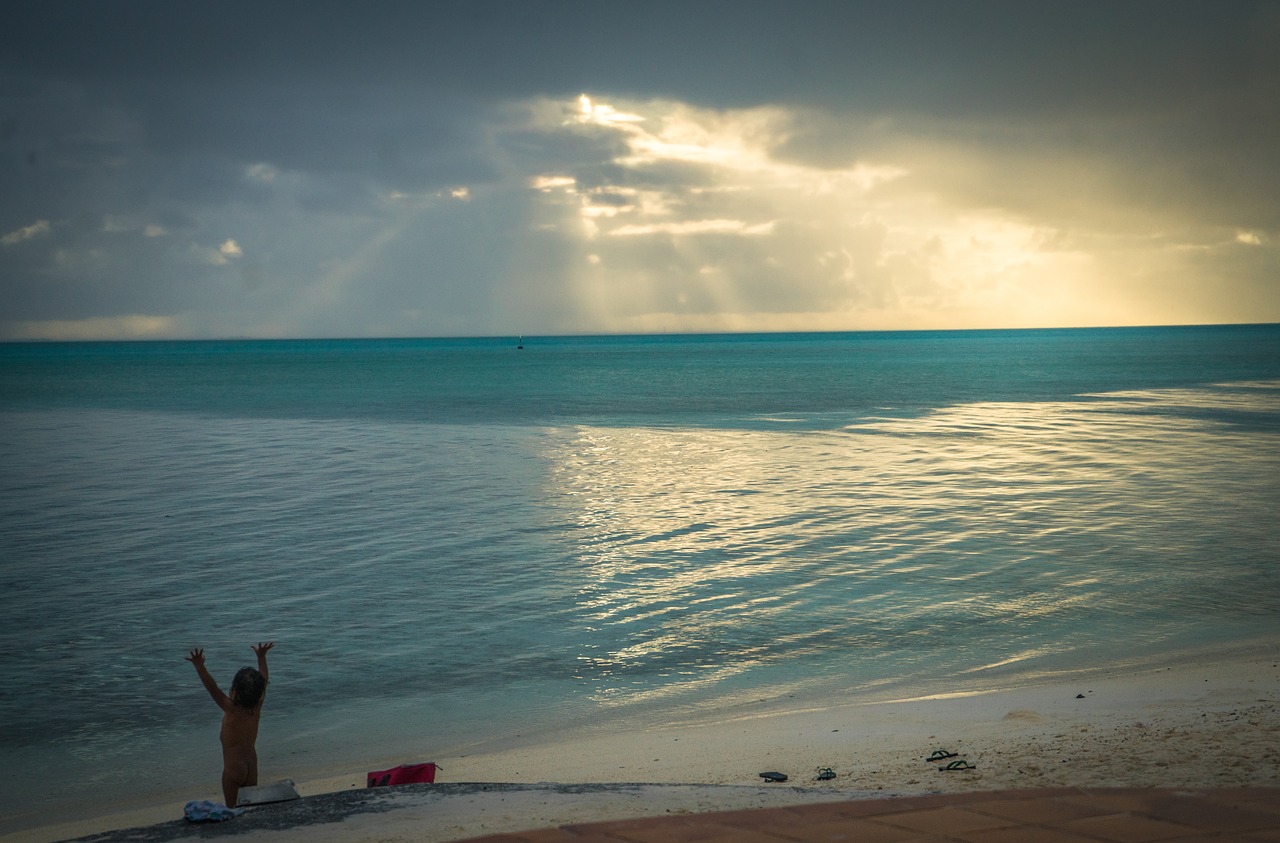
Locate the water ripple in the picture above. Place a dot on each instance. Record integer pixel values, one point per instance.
(436, 572)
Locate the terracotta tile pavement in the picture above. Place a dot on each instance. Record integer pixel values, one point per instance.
(1061, 815)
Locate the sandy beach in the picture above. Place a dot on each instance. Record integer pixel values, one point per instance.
(1211, 724)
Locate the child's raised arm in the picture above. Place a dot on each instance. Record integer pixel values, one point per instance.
(261, 652)
(197, 659)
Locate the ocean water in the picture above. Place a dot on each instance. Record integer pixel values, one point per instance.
(456, 542)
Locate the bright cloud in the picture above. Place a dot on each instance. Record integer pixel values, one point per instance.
(261, 172)
(221, 255)
(36, 229)
(548, 183)
(602, 114)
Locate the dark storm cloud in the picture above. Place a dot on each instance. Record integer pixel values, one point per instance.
(939, 57)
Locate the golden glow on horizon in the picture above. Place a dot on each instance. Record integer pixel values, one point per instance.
(95, 328)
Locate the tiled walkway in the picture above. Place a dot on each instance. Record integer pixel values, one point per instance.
(1065, 815)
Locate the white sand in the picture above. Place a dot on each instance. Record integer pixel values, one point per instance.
(1204, 725)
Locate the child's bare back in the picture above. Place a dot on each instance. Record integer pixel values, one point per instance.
(241, 713)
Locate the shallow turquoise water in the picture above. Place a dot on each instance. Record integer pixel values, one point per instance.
(453, 541)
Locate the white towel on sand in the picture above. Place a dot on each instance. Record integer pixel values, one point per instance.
(280, 791)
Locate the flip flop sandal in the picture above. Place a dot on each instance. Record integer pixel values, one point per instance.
(958, 765)
(825, 774)
(940, 755)
(774, 777)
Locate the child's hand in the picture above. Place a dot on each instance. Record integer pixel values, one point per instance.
(261, 649)
(196, 657)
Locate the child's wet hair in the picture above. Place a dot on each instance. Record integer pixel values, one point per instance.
(248, 687)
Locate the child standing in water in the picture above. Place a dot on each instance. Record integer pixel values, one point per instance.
(240, 713)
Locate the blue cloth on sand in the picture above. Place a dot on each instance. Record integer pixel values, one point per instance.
(204, 811)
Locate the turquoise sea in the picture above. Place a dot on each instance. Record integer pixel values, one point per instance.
(455, 541)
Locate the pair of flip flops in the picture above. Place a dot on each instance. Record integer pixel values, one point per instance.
(943, 755)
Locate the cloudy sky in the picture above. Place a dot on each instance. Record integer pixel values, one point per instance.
(288, 169)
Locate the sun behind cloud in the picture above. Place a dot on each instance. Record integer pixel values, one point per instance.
(696, 222)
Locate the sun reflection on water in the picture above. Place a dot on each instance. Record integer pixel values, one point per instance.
(970, 539)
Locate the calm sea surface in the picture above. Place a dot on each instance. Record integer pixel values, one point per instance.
(455, 541)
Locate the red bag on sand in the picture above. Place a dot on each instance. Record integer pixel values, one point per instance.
(404, 774)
